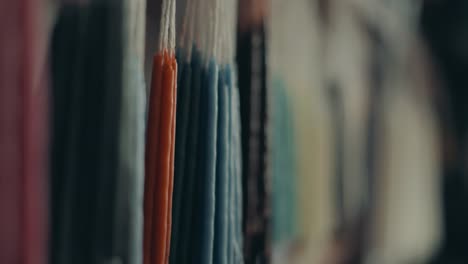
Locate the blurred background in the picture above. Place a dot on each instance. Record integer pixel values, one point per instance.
(360, 124)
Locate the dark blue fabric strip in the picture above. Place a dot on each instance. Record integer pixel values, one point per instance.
(183, 109)
(191, 147)
(208, 177)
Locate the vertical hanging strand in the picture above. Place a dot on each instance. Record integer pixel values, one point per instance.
(253, 94)
(210, 140)
(163, 192)
(181, 133)
(191, 146)
(188, 229)
(129, 213)
(152, 145)
(220, 249)
(164, 172)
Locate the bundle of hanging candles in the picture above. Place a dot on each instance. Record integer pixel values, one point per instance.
(193, 181)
